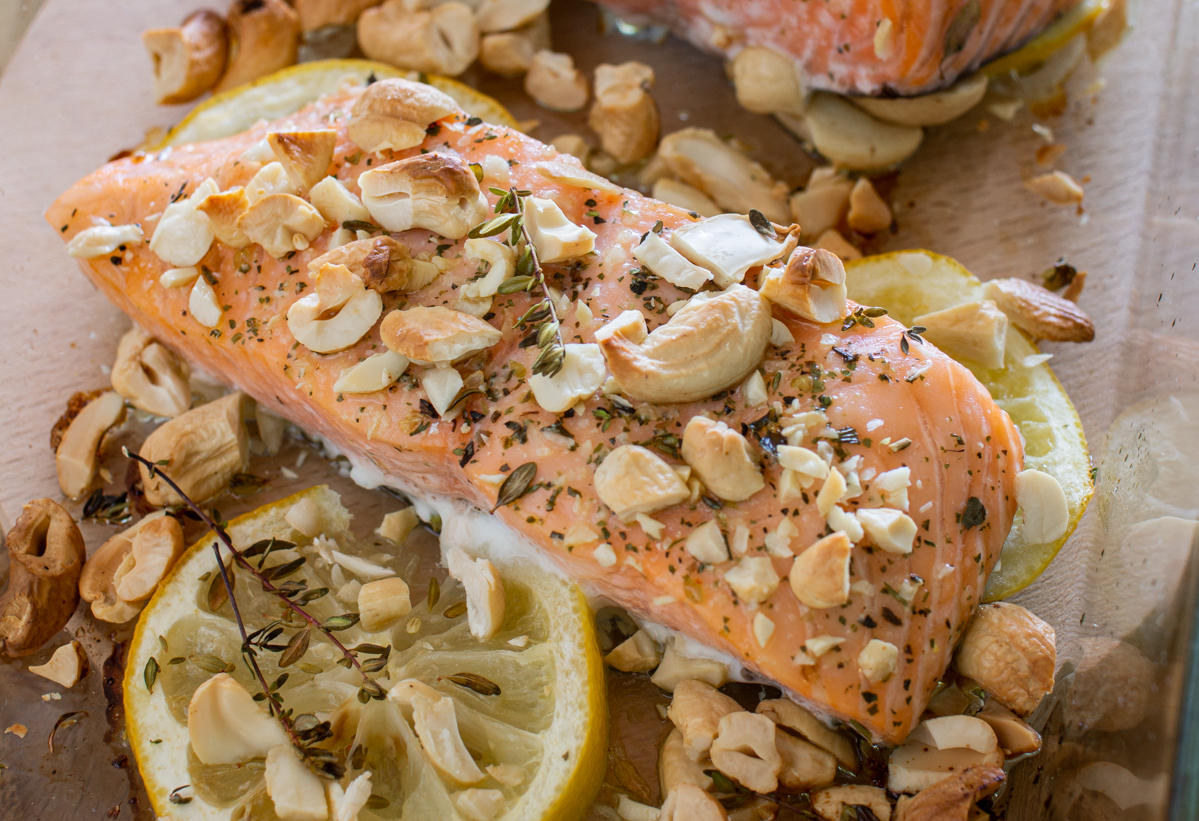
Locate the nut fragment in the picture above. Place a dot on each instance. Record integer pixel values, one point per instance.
(270, 179)
(436, 724)
(1040, 312)
(555, 83)
(754, 579)
(687, 197)
(1057, 187)
(76, 456)
(582, 374)
(478, 805)
(187, 60)
(226, 726)
(1011, 653)
(687, 802)
(224, 210)
(393, 114)
(788, 714)
(304, 155)
(744, 750)
(484, 592)
(264, 37)
(296, 792)
(434, 191)
(337, 203)
(155, 548)
(877, 660)
(623, 113)
(102, 240)
(633, 480)
(511, 53)
(375, 373)
(441, 385)
(183, 234)
(676, 767)
(767, 81)
(956, 732)
(639, 653)
(556, 238)
(382, 603)
(722, 458)
(707, 543)
(696, 711)
(890, 530)
(677, 667)
(443, 40)
(829, 803)
(1043, 504)
(150, 376)
(805, 765)
(382, 262)
(200, 450)
(951, 799)
(811, 285)
(735, 182)
(436, 335)
(1014, 736)
(339, 312)
(711, 344)
(820, 575)
(65, 667)
(281, 224)
(832, 240)
(850, 138)
(46, 555)
(822, 205)
(974, 331)
(729, 245)
(868, 212)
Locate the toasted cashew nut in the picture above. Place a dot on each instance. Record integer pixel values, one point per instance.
(155, 548)
(624, 114)
(1039, 311)
(281, 223)
(201, 450)
(484, 593)
(711, 344)
(75, 458)
(820, 575)
(393, 114)
(304, 155)
(828, 802)
(555, 83)
(443, 40)
(698, 157)
(150, 376)
(696, 710)
(811, 285)
(676, 767)
(264, 37)
(434, 191)
(436, 335)
(633, 480)
(65, 667)
(745, 751)
(723, 459)
(687, 802)
(1011, 653)
(357, 308)
(187, 60)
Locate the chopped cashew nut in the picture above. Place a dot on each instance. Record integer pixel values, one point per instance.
(822, 205)
(707, 544)
(916, 765)
(202, 304)
(337, 203)
(734, 182)
(441, 385)
(183, 234)
(696, 710)
(226, 726)
(711, 344)
(624, 114)
(510, 53)
(556, 238)
(877, 660)
(102, 240)
(375, 373)
(745, 751)
(304, 155)
(382, 603)
(501, 262)
(436, 724)
(952, 797)
(506, 15)
(676, 668)
(224, 211)
(685, 196)
(155, 549)
(187, 60)
(150, 376)
(831, 240)
(281, 224)
(436, 335)
(639, 653)
(664, 261)
(687, 802)
(1040, 312)
(484, 593)
(755, 390)
(202, 450)
(270, 179)
(443, 40)
(829, 803)
(722, 458)
(1057, 187)
(763, 628)
(803, 461)
(676, 767)
(728, 245)
(890, 530)
(75, 458)
(753, 579)
(264, 37)
(831, 492)
(356, 308)
(570, 174)
(382, 262)
(434, 191)
(956, 732)
(297, 793)
(1015, 737)
(398, 525)
(868, 213)
(805, 765)
(1011, 654)
(583, 373)
(820, 575)
(1043, 504)
(633, 480)
(767, 82)
(811, 285)
(974, 331)
(394, 114)
(788, 714)
(555, 83)
(66, 666)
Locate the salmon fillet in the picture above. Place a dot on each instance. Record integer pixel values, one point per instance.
(962, 446)
(920, 46)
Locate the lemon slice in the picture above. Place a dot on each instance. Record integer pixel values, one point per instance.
(912, 283)
(1039, 49)
(288, 90)
(541, 740)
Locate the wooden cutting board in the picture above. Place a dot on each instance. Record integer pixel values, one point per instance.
(78, 90)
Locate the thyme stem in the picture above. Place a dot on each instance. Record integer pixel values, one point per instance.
(518, 200)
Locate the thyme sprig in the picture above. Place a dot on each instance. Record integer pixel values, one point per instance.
(304, 731)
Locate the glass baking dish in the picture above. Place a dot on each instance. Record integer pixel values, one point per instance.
(1122, 593)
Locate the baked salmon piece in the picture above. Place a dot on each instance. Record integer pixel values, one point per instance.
(797, 429)
(859, 46)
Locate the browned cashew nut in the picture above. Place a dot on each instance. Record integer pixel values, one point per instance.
(951, 798)
(46, 554)
(187, 60)
(264, 37)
